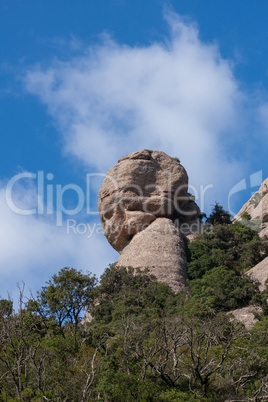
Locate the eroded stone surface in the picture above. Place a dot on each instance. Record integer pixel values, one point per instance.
(146, 213)
(247, 315)
(260, 273)
(255, 212)
(141, 187)
(159, 247)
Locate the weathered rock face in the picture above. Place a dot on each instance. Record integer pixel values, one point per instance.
(139, 190)
(141, 187)
(246, 315)
(255, 214)
(259, 273)
(255, 211)
(160, 248)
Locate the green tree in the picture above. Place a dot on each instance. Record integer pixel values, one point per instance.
(235, 246)
(144, 343)
(6, 307)
(66, 295)
(224, 289)
(218, 215)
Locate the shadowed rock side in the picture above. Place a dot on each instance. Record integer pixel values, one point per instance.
(139, 190)
(255, 212)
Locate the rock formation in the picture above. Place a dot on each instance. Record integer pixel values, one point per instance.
(146, 213)
(246, 315)
(160, 248)
(259, 273)
(255, 212)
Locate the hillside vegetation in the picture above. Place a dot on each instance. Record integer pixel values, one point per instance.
(145, 343)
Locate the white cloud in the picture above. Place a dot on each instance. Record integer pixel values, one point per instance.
(33, 248)
(179, 96)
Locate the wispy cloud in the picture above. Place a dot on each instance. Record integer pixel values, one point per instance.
(179, 96)
(33, 248)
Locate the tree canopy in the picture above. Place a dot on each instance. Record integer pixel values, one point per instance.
(142, 342)
(65, 296)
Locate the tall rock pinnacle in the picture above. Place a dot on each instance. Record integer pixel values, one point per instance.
(146, 213)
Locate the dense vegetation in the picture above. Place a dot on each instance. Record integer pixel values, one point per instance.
(144, 343)
(219, 257)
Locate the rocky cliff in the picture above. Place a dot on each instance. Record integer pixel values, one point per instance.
(146, 214)
(259, 273)
(255, 212)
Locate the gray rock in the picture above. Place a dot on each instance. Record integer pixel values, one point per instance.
(255, 212)
(259, 273)
(145, 213)
(246, 315)
(160, 248)
(139, 188)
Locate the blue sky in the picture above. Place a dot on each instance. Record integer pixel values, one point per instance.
(82, 84)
